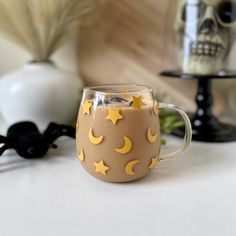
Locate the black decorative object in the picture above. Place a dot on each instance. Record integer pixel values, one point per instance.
(29, 143)
(205, 125)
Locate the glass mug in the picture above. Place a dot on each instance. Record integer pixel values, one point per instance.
(118, 132)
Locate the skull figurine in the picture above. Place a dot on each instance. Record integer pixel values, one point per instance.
(205, 30)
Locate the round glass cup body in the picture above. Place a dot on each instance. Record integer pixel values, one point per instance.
(118, 132)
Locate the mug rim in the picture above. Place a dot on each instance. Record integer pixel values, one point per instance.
(128, 88)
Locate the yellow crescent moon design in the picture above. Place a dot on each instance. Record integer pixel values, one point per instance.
(129, 167)
(81, 155)
(93, 139)
(127, 146)
(151, 138)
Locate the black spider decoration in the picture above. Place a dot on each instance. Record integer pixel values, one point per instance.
(29, 143)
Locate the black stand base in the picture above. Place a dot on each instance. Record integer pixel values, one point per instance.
(218, 132)
(205, 126)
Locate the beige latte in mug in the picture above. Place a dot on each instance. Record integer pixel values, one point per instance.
(118, 132)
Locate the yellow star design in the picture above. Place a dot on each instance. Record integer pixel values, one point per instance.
(153, 163)
(137, 103)
(114, 115)
(155, 108)
(101, 167)
(86, 107)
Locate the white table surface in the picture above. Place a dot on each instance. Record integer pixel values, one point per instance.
(54, 196)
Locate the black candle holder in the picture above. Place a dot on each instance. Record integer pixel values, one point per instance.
(205, 126)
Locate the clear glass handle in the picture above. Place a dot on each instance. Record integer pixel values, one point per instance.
(188, 133)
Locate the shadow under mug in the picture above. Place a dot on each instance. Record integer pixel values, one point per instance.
(118, 132)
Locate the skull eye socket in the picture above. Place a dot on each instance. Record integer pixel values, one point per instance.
(227, 12)
(192, 12)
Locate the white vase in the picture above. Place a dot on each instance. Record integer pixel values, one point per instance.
(40, 92)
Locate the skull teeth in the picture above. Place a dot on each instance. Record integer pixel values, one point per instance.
(206, 49)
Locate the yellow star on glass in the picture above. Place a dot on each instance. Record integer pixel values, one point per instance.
(155, 108)
(86, 107)
(137, 103)
(153, 163)
(101, 167)
(114, 115)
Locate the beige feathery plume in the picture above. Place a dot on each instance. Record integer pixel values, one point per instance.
(42, 26)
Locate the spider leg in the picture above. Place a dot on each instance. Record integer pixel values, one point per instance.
(3, 139)
(5, 147)
(54, 131)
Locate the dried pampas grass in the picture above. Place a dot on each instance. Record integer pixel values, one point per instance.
(42, 26)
